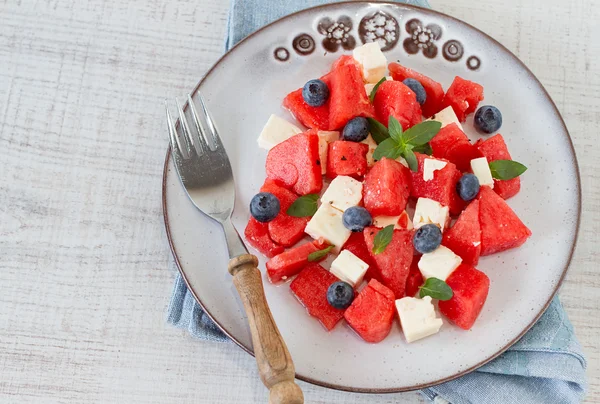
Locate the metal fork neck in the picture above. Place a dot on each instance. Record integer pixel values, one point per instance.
(235, 245)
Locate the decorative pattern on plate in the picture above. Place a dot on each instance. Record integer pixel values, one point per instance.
(473, 62)
(379, 27)
(281, 54)
(337, 33)
(422, 38)
(453, 50)
(304, 44)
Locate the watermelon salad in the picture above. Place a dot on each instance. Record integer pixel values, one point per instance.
(378, 178)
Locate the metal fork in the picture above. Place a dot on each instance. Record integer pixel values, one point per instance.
(205, 172)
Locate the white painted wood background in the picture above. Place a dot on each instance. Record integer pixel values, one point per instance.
(84, 282)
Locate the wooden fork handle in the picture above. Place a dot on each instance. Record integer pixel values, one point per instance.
(272, 356)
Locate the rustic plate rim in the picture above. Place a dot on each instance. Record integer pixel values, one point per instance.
(463, 372)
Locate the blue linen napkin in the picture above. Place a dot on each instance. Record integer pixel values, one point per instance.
(546, 366)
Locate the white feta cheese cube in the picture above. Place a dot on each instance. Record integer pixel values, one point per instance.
(370, 86)
(481, 169)
(325, 137)
(372, 60)
(327, 223)
(446, 116)
(372, 146)
(400, 222)
(349, 268)
(417, 318)
(429, 211)
(343, 193)
(276, 130)
(439, 264)
(430, 166)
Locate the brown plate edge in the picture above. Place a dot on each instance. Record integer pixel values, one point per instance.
(420, 386)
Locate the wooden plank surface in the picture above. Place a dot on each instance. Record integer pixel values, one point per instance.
(84, 278)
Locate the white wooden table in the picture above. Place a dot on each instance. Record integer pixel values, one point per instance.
(84, 278)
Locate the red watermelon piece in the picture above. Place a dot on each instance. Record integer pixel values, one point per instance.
(310, 287)
(463, 96)
(386, 188)
(494, 148)
(434, 90)
(356, 245)
(464, 238)
(257, 235)
(441, 188)
(294, 163)
(290, 262)
(395, 99)
(452, 144)
(415, 278)
(470, 287)
(347, 158)
(311, 117)
(284, 229)
(372, 312)
(347, 98)
(393, 264)
(501, 228)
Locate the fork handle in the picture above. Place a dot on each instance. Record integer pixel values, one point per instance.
(272, 356)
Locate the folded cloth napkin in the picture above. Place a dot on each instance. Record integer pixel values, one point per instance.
(546, 366)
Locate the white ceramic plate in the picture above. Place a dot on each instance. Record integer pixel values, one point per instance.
(249, 83)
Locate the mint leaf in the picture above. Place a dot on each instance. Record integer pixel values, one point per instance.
(424, 148)
(506, 169)
(374, 90)
(382, 239)
(388, 148)
(304, 206)
(436, 288)
(422, 133)
(319, 255)
(395, 129)
(411, 159)
(378, 131)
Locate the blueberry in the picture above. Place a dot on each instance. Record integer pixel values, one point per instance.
(356, 130)
(467, 187)
(340, 295)
(356, 218)
(427, 238)
(488, 119)
(264, 207)
(315, 93)
(417, 88)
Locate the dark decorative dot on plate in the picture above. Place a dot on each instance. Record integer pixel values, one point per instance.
(453, 50)
(281, 54)
(304, 44)
(473, 62)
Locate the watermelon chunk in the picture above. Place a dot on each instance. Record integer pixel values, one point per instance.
(310, 287)
(311, 117)
(295, 164)
(356, 245)
(348, 98)
(257, 235)
(434, 90)
(372, 312)
(501, 228)
(386, 188)
(284, 229)
(393, 264)
(415, 278)
(441, 188)
(494, 149)
(347, 158)
(290, 262)
(464, 238)
(395, 99)
(470, 287)
(452, 144)
(463, 96)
